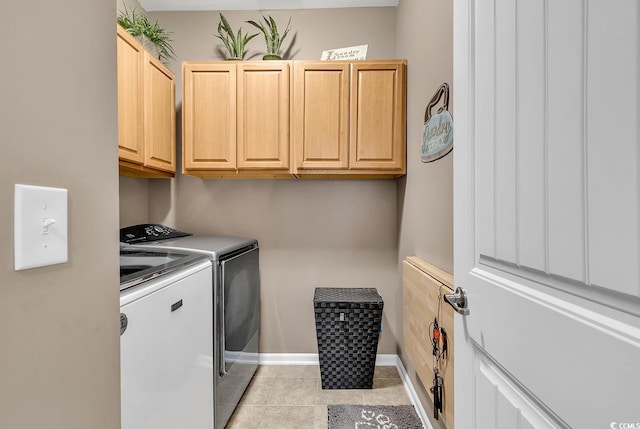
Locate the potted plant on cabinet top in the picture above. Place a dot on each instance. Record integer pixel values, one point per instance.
(271, 36)
(236, 44)
(152, 36)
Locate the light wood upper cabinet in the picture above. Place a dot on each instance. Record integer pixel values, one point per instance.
(130, 98)
(146, 112)
(159, 116)
(350, 118)
(209, 116)
(294, 118)
(263, 115)
(378, 125)
(236, 118)
(321, 115)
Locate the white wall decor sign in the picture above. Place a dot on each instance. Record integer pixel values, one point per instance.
(437, 133)
(350, 53)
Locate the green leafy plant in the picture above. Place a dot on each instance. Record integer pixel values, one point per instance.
(236, 44)
(271, 36)
(137, 24)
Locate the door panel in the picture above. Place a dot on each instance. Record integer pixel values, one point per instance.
(209, 116)
(565, 131)
(547, 195)
(612, 121)
(160, 116)
(531, 221)
(377, 130)
(485, 132)
(263, 115)
(556, 181)
(321, 115)
(501, 405)
(505, 133)
(375, 142)
(130, 97)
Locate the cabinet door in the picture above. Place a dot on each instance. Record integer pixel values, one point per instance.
(377, 115)
(209, 116)
(159, 115)
(263, 115)
(321, 115)
(130, 98)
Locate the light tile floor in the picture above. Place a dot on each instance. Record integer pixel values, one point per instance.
(291, 396)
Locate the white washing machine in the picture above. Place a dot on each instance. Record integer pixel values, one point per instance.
(166, 348)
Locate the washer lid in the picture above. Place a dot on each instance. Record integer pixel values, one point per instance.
(214, 246)
(140, 265)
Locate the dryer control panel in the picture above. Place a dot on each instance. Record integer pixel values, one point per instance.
(148, 232)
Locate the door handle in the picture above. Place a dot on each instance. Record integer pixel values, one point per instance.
(458, 301)
(222, 327)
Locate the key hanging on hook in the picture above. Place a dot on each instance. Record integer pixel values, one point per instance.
(434, 392)
(437, 391)
(435, 337)
(445, 342)
(440, 383)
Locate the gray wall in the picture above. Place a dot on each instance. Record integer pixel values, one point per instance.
(59, 337)
(134, 201)
(327, 233)
(425, 195)
(312, 233)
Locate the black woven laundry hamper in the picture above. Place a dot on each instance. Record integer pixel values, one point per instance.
(348, 322)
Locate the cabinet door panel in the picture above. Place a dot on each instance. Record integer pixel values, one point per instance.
(263, 115)
(321, 109)
(209, 116)
(160, 116)
(377, 116)
(130, 98)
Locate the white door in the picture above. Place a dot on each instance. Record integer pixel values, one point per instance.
(547, 213)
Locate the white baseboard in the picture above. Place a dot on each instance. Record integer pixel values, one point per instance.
(381, 360)
(413, 395)
(289, 359)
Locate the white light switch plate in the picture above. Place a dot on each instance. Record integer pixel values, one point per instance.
(40, 226)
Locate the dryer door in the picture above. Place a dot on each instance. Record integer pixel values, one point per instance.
(240, 311)
(238, 330)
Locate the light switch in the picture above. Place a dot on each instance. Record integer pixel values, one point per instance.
(40, 226)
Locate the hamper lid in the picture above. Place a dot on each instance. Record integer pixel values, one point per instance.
(337, 294)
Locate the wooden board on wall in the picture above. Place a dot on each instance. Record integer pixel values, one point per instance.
(421, 285)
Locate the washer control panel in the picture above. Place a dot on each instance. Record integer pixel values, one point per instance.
(148, 232)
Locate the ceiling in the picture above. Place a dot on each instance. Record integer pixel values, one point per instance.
(166, 5)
